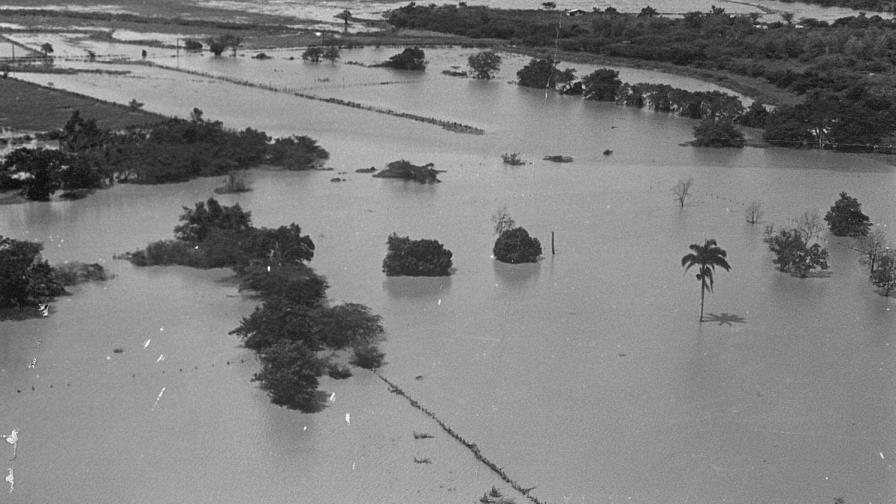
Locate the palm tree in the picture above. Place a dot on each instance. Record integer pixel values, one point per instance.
(707, 257)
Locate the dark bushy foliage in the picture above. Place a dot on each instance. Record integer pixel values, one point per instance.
(402, 169)
(296, 153)
(416, 257)
(289, 375)
(543, 73)
(368, 356)
(793, 254)
(845, 218)
(717, 133)
(515, 246)
(484, 64)
(294, 328)
(601, 85)
(210, 215)
(25, 279)
(412, 58)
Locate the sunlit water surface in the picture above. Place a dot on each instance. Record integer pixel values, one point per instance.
(586, 375)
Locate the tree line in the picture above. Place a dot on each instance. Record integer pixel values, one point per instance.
(843, 69)
(173, 150)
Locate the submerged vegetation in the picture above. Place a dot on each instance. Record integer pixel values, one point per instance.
(27, 280)
(296, 332)
(173, 150)
(406, 257)
(401, 169)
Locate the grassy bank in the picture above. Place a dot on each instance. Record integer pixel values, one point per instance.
(31, 107)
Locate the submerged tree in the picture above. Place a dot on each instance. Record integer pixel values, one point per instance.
(484, 64)
(793, 253)
(715, 132)
(416, 257)
(601, 84)
(502, 220)
(515, 246)
(753, 212)
(706, 257)
(871, 247)
(331, 53)
(25, 278)
(682, 190)
(884, 276)
(845, 218)
(412, 58)
(543, 73)
(313, 54)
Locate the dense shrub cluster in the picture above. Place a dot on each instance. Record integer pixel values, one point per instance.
(515, 246)
(295, 331)
(416, 257)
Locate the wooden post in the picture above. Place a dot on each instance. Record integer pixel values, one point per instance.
(553, 251)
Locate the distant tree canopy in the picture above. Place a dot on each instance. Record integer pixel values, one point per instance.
(713, 132)
(331, 53)
(412, 58)
(515, 246)
(406, 257)
(543, 73)
(845, 218)
(218, 45)
(313, 54)
(484, 64)
(25, 279)
(193, 45)
(843, 68)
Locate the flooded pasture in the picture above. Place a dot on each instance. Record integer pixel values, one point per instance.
(586, 375)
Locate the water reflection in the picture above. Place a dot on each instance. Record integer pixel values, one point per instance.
(422, 288)
(515, 274)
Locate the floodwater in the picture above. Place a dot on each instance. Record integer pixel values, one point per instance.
(586, 375)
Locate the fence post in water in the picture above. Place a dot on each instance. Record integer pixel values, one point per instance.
(553, 251)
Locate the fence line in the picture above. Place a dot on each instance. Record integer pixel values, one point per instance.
(395, 389)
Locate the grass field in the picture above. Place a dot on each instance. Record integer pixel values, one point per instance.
(29, 107)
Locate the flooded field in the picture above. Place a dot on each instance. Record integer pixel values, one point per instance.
(586, 375)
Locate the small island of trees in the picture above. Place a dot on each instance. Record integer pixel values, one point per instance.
(296, 332)
(513, 245)
(406, 257)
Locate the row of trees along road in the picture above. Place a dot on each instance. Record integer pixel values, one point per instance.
(843, 70)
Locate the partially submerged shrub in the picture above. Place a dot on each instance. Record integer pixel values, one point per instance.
(515, 246)
(416, 257)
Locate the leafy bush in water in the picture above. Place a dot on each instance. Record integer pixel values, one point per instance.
(845, 218)
(412, 58)
(416, 257)
(25, 279)
(793, 254)
(515, 246)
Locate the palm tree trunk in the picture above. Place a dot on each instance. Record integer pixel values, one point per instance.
(702, 296)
